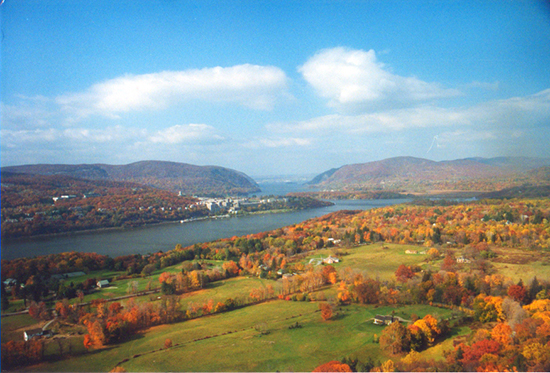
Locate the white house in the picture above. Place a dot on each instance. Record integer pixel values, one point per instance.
(36, 333)
(102, 283)
(331, 260)
(381, 320)
(462, 259)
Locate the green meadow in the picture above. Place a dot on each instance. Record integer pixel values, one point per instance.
(377, 260)
(233, 341)
(253, 338)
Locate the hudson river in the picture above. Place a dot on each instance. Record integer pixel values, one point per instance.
(164, 237)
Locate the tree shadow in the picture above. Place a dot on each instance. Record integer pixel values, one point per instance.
(214, 285)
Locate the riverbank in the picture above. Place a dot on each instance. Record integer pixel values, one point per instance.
(12, 240)
(165, 236)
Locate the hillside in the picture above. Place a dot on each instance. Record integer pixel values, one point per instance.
(173, 176)
(422, 175)
(48, 204)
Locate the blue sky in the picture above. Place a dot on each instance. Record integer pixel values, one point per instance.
(273, 87)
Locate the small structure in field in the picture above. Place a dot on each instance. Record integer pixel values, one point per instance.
(36, 333)
(102, 283)
(331, 260)
(384, 320)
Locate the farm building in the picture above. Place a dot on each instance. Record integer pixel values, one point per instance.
(36, 333)
(383, 320)
(331, 260)
(462, 260)
(102, 283)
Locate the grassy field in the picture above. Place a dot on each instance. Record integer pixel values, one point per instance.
(231, 342)
(522, 264)
(377, 260)
(13, 327)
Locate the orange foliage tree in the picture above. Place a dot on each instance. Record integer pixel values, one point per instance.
(326, 310)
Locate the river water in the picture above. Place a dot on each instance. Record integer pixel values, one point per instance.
(164, 237)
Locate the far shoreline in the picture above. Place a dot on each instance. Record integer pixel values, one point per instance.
(13, 240)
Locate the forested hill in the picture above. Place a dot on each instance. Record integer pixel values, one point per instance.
(173, 176)
(423, 175)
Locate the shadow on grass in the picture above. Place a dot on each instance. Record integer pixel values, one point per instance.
(456, 331)
(339, 316)
(56, 357)
(215, 284)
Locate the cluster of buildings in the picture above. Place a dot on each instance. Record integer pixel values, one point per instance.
(234, 205)
(328, 260)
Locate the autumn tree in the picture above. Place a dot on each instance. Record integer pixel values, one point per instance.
(148, 270)
(39, 311)
(326, 310)
(368, 291)
(118, 369)
(472, 355)
(387, 366)
(395, 338)
(502, 333)
(404, 273)
(333, 366)
(433, 253)
(329, 274)
(488, 308)
(449, 263)
(517, 292)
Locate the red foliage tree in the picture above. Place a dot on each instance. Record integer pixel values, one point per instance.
(333, 366)
(473, 353)
(517, 293)
(404, 273)
(449, 263)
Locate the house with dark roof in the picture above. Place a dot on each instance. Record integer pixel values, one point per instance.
(36, 333)
(102, 283)
(384, 320)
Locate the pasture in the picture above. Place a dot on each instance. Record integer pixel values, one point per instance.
(379, 260)
(233, 341)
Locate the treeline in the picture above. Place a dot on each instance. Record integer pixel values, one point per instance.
(339, 195)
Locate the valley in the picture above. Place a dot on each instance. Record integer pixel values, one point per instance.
(264, 292)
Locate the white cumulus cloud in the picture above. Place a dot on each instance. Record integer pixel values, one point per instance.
(253, 86)
(186, 133)
(356, 79)
(516, 112)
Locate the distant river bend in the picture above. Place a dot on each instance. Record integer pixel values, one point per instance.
(164, 237)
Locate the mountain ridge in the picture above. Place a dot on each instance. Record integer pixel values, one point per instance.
(412, 173)
(174, 176)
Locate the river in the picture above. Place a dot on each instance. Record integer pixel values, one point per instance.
(164, 237)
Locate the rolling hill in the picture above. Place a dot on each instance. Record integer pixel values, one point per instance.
(187, 178)
(422, 175)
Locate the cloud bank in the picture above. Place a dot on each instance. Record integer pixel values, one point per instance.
(516, 112)
(253, 86)
(356, 79)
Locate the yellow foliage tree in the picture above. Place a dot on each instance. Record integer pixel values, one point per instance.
(539, 305)
(388, 366)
